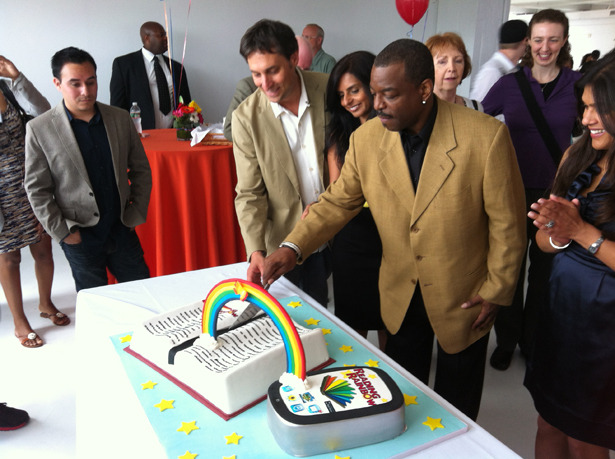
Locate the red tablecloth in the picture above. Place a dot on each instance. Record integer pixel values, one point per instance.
(191, 222)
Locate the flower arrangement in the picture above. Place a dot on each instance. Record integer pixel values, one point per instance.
(186, 118)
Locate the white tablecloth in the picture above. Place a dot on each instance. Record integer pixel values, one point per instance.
(110, 420)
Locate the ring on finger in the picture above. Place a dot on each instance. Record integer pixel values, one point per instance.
(550, 224)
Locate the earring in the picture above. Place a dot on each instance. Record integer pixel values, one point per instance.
(424, 102)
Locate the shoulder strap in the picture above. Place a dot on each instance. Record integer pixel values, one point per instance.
(538, 117)
(475, 104)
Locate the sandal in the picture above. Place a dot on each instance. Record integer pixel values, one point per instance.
(31, 341)
(60, 319)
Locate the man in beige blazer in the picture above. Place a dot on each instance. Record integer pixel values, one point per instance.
(452, 228)
(278, 142)
(87, 176)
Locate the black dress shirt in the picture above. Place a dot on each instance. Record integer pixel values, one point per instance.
(94, 145)
(415, 146)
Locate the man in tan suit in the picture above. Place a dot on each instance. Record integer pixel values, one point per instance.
(278, 142)
(444, 188)
(87, 176)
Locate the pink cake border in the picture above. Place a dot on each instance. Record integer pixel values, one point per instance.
(197, 396)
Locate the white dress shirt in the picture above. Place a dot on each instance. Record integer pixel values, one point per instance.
(162, 121)
(300, 135)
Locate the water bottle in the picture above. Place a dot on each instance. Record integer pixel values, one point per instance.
(135, 114)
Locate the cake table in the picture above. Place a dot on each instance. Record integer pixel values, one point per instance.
(111, 414)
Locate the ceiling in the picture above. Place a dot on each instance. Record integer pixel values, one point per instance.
(567, 6)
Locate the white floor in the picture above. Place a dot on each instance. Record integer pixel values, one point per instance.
(41, 381)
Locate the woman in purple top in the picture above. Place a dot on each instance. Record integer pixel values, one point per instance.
(552, 86)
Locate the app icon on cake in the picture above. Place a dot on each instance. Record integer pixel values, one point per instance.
(292, 398)
(296, 408)
(287, 388)
(307, 397)
(314, 409)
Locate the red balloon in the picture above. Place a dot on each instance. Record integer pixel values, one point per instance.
(411, 11)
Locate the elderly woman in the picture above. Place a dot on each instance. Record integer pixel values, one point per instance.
(540, 137)
(452, 65)
(571, 374)
(20, 228)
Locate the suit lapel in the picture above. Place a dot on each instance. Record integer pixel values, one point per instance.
(395, 168)
(316, 98)
(66, 137)
(276, 136)
(437, 165)
(112, 136)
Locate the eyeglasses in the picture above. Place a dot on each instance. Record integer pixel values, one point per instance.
(307, 37)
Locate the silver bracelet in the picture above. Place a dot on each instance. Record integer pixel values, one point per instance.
(294, 247)
(559, 247)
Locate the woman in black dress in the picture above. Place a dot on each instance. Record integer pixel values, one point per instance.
(571, 374)
(356, 251)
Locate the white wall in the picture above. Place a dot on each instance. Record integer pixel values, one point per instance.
(33, 30)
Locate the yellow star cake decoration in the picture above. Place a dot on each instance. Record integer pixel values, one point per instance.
(229, 457)
(340, 457)
(188, 455)
(233, 438)
(165, 405)
(312, 321)
(410, 400)
(326, 331)
(346, 348)
(125, 339)
(372, 363)
(433, 423)
(148, 385)
(349, 365)
(294, 304)
(188, 427)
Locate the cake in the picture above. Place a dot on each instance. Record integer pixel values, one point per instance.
(342, 408)
(230, 368)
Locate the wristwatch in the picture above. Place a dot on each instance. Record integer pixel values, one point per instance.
(595, 246)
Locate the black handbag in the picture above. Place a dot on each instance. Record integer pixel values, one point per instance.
(538, 117)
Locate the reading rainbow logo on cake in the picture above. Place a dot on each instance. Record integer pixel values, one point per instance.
(237, 289)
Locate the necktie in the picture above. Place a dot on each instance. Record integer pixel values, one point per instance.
(163, 87)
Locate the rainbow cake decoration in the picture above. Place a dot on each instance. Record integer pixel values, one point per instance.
(227, 367)
(235, 289)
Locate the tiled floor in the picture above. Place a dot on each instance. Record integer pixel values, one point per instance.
(42, 381)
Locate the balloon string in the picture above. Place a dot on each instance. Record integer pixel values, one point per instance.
(425, 24)
(169, 28)
(409, 34)
(181, 73)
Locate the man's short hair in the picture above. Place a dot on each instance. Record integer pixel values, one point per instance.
(417, 60)
(320, 32)
(267, 36)
(70, 55)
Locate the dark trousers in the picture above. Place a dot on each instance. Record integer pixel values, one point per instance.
(459, 377)
(517, 323)
(311, 276)
(120, 252)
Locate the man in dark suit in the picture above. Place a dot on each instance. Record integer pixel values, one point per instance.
(134, 79)
(87, 177)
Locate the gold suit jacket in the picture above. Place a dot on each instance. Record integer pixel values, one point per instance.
(461, 234)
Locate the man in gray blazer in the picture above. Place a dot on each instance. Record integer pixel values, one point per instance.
(278, 142)
(87, 176)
